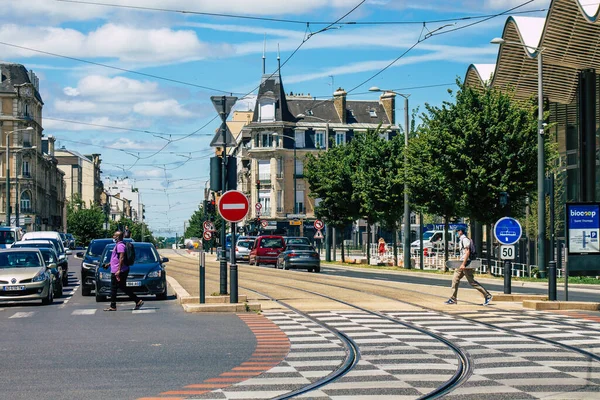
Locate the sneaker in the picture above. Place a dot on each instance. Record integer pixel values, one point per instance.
(110, 309)
(450, 301)
(488, 300)
(138, 305)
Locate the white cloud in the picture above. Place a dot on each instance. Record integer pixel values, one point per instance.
(150, 173)
(129, 144)
(74, 106)
(69, 91)
(164, 108)
(116, 89)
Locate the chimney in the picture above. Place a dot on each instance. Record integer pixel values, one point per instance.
(388, 101)
(339, 101)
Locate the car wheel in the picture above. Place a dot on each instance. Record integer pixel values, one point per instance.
(99, 298)
(65, 279)
(50, 298)
(86, 291)
(162, 296)
(316, 269)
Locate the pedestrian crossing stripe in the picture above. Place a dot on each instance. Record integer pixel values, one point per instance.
(89, 311)
(22, 314)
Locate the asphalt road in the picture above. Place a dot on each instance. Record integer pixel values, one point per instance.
(74, 350)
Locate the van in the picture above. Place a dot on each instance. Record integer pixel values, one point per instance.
(433, 242)
(9, 235)
(266, 249)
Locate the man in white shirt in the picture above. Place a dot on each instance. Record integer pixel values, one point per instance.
(464, 270)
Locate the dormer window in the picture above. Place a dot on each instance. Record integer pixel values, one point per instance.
(373, 113)
(266, 111)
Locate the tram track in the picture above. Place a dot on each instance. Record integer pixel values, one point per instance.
(461, 375)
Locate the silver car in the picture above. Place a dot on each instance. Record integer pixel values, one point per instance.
(25, 276)
(242, 249)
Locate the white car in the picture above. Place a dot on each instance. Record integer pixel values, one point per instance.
(242, 249)
(25, 276)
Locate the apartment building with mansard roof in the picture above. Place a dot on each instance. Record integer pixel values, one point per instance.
(272, 148)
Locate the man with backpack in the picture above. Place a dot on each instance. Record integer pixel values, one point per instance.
(467, 254)
(119, 268)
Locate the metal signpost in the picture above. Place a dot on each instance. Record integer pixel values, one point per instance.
(223, 138)
(507, 231)
(233, 207)
(206, 236)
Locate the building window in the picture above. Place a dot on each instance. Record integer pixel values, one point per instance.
(266, 140)
(26, 139)
(300, 136)
(279, 201)
(25, 170)
(320, 139)
(264, 198)
(300, 201)
(25, 202)
(264, 170)
(280, 167)
(340, 138)
(267, 111)
(299, 167)
(373, 113)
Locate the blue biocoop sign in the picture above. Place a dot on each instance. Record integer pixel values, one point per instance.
(583, 228)
(507, 230)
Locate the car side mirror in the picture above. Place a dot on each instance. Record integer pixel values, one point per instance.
(79, 254)
(51, 265)
(164, 260)
(68, 252)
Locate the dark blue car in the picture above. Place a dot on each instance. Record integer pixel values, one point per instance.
(90, 261)
(147, 275)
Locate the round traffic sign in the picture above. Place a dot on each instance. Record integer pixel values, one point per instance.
(507, 230)
(264, 224)
(208, 226)
(258, 206)
(207, 235)
(319, 224)
(233, 206)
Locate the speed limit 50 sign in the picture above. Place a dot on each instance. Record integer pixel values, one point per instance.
(507, 252)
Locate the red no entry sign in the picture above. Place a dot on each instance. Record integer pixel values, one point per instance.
(233, 206)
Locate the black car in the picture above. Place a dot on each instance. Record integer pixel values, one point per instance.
(90, 262)
(70, 241)
(147, 275)
(299, 256)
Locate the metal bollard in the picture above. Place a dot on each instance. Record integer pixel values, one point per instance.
(552, 281)
(507, 276)
(202, 271)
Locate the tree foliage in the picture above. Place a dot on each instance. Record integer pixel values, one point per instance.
(85, 223)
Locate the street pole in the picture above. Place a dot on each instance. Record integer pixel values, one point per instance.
(541, 257)
(223, 261)
(17, 169)
(233, 269)
(7, 180)
(295, 187)
(407, 263)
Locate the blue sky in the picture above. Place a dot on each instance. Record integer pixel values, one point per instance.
(168, 164)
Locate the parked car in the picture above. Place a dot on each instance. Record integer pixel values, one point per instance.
(147, 274)
(266, 249)
(25, 275)
(9, 235)
(70, 241)
(48, 250)
(63, 254)
(297, 240)
(63, 238)
(299, 256)
(242, 249)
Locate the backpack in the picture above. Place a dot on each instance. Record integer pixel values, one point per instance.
(129, 254)
(472, 249)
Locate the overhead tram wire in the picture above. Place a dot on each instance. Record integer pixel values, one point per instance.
(289, 21)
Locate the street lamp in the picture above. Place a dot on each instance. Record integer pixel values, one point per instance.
(406, 232)
(29, 128)
(541, 234)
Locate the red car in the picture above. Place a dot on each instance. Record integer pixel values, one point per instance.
(266, 249)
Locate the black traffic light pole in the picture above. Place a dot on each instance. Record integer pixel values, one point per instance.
(223, 262)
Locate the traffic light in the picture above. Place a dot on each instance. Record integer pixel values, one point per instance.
(213, 207)
(257, 184)
(143, 213)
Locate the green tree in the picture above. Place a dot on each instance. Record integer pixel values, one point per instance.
(196, 228)
(85, 223)
(330, 177)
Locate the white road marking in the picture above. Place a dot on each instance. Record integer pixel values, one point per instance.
(88, 311)
(143, 311)
(23, 314)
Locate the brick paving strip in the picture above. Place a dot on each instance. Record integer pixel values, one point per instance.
(272, 346)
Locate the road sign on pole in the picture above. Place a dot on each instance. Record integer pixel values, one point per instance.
(233, 206)
(258, 206)
(319, 224)
(223, 105)
(264, 224)
(207, 235)
(507, 230)
(208, 226)
(507, 252)
(319, 235)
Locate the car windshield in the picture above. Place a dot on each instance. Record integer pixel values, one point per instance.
(427, 235)
(297, 241)
(7, 237)
(97, 247)
(57, 245)
(271, 243)
(300, 247)
(245, 243)
(144, 255)
(18, 259)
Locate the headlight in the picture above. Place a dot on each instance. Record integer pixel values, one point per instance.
(155, 274)
(88, 265)
(105, 276)
(40, 277)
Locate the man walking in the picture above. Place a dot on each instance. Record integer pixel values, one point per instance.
(118, 274)
(464, 270)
